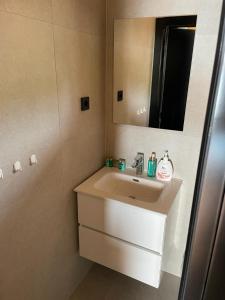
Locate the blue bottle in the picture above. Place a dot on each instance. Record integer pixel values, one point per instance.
(152, 165)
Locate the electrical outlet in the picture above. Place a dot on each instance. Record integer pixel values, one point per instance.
(120, 96)
(84, 102)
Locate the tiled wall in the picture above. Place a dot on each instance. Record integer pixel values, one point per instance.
(125, 141)
(51, 54)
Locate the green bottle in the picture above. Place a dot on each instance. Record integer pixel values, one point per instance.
(109, 162)
(122, 164)
(152, 165)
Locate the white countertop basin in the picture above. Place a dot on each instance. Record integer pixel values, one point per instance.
(127, 187)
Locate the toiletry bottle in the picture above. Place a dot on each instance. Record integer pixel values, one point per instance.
(109, 162)
(122, 164)
(152, 165)
(165, 168)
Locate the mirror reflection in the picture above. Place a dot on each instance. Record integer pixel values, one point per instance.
(152, 62)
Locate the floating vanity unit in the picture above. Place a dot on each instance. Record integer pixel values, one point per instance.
(123, 222)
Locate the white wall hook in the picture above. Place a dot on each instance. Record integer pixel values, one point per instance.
(1, 174)
(33, 160)
(17, 167)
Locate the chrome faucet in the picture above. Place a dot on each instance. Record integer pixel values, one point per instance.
(139, 163)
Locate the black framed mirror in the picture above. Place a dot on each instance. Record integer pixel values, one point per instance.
(152, 63)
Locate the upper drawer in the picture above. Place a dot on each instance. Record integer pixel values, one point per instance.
(130, 223)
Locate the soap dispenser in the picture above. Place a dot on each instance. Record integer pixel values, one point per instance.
(165, 168)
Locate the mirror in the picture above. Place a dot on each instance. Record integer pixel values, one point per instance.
(152, 63)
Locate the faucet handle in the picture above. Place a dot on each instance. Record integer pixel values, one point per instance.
(140, 156)
(139, 163)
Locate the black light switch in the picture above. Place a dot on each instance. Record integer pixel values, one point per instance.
(84, 103)
(119, 95)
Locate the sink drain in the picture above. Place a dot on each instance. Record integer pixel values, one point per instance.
(135, 180)
(132, 197)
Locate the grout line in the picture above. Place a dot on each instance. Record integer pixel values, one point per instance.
(52, 12)
(106, 85)
(51, 22)
(56, 73)
(57, 94)
(24, 16)
(56, 78)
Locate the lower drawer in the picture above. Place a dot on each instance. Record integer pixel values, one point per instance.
(120, 256)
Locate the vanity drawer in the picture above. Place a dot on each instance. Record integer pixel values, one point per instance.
(127, 222)
(120, 256)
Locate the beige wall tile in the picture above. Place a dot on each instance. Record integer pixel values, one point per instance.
(82, 15)
(78, 161)
(144, 8)
(80, 71)
(28, 89)
(201, 74)
(29, 124)
(37, 9)
(64, 13)
(2, 4)
(39, 231)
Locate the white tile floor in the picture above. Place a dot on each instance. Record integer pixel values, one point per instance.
(104, 284)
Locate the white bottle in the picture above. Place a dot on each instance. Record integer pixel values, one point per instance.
(165, 168)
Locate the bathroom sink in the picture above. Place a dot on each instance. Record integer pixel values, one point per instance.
(129, 186)
(141, 191)
(126, 222)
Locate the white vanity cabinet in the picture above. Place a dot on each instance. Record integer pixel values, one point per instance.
(122, 237)
(126, 234)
